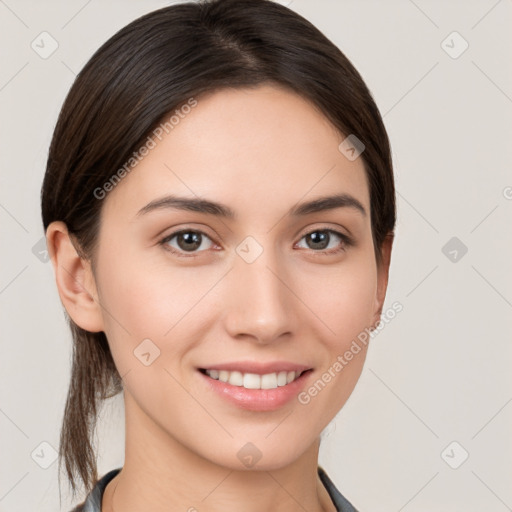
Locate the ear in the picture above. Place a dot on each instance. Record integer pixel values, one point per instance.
(382, 277)
(75, 280)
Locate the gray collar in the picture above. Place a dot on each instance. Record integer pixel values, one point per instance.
(93, 501)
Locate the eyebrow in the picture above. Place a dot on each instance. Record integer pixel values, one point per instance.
(196, 204)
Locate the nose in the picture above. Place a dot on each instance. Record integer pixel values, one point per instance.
(259, 302)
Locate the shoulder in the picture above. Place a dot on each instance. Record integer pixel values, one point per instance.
(93, 500)
(341, 503)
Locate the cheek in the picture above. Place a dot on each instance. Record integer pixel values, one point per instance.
(342, 297)
(344, 304)
(151, 299)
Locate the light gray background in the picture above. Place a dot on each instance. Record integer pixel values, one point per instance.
(438, 373)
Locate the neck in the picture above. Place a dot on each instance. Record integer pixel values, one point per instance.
(161, 474)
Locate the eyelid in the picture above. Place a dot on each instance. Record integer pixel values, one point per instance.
(347, 240)
(337, 230)
(170, 236)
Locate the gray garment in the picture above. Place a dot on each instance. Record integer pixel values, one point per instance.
(93, 500)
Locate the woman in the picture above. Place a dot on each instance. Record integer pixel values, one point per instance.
(219, 209)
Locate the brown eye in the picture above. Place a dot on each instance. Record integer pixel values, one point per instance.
(187, 241)
(319, 240)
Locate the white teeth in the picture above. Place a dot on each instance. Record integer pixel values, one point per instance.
(281, 378)
(269, 381)
(253, 380)
(236, 379)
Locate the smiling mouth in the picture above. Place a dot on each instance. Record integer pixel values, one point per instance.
(254, 380)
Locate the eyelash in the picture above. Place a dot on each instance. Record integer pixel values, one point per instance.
(346, 242)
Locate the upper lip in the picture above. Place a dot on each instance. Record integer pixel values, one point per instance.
(258, 368)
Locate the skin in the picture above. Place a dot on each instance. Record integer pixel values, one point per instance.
(259, 151)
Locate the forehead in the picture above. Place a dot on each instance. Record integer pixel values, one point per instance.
(251, 148)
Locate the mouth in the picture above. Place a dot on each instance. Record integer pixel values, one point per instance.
(257, 387)
(254, 380)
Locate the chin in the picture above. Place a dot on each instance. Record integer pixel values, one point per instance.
(259, 454)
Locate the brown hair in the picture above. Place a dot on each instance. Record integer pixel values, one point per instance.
(140, 75)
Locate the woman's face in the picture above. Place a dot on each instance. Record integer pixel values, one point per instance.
(269, 289)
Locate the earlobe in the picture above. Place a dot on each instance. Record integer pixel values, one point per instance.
(382, 277)
(74, 278)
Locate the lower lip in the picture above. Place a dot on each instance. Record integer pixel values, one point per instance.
(257, 399)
